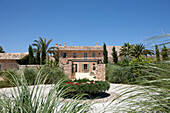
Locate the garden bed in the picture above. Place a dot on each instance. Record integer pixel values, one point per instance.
(94, 89)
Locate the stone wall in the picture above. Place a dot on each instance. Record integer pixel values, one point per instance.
(68, 70)
(8, 64)
(100, 72)
(36, 67)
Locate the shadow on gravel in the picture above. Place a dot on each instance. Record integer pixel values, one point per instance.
(89, 96)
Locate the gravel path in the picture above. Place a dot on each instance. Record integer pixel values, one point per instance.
(99, 104)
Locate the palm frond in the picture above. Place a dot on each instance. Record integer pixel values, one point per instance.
(48, 43)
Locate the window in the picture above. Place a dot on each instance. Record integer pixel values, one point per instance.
(85, 66)
(99, 53)
(0, 66)
(93, 55)
(64, 55)
(74, 55)
(85, 55)
(61, 55)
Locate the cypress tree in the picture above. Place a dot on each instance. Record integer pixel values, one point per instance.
(114, 55)
(105, 54)
(38, 56)
(31, 56)
(164, 53)
(43, 55)
(157, 53)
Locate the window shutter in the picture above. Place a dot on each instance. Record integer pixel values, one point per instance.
(82, 67)
(87, 66)
(61, 55)
(66, 55)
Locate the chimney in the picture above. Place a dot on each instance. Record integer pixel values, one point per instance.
(56, 45)
(64, 44)
(96, 44)
(59, 45)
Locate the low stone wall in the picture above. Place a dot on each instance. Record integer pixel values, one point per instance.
(36, 67)
(100, 72)
(68, 70)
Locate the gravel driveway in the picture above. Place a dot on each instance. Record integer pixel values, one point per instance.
(115, 91)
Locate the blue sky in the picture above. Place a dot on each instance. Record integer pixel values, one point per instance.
(81, 22)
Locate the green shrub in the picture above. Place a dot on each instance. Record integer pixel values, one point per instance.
(87, 86)
(118, 74)
(124, 61)
(8, 80)
(53, 74)
(30, 75)
(137, 64)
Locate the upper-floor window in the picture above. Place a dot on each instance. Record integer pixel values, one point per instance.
(85, 55)
(74, 55)
(63, 55)
(93, 55)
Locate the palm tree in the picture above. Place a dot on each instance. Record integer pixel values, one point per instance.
(138, 50)
(148, 52)
(41, 43)
(126, 49)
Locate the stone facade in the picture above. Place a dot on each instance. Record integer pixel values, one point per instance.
(82, 59)
(100, 72)
(9, 60)
(8, 64)
(68, 70)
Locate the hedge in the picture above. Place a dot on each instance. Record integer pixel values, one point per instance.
(87, 86)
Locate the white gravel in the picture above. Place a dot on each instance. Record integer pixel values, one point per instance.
(112, 106)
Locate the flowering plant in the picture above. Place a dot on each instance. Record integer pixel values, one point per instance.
(87, 86)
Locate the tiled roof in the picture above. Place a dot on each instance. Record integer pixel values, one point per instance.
(109, 49)
(80, 48)
(12, 56)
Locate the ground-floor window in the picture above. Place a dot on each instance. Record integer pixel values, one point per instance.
(85, 66)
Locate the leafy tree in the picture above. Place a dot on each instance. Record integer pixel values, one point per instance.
(31, 56)
(157, 53)
(1, 50)
(43, 55)
(25, 60)
(105, 54)
(126, 49)
(114, 55)
(164, 53)
(38, 56)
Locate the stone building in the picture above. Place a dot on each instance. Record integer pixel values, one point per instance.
(77, 61)
(83, 61)
(9, 60)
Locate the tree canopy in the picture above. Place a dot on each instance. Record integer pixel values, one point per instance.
(1, 50)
